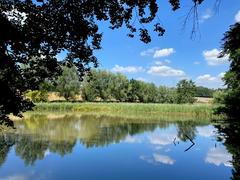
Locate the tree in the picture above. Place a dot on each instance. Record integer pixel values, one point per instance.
(88, 90)
(68, 83)
(231, 99)
(204, 92)
(134, 90)
(33, 33)
(120, 88)
(185, 91)
(166, 95)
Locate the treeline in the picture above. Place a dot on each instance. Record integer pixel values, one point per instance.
(101, 85)
(107, 86)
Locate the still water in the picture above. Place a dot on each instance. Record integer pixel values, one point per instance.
(101, 147)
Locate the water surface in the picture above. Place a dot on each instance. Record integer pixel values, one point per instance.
(102, 147)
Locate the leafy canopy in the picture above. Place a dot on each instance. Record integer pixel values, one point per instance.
(186, 91)
(68, 83)
(231, 98)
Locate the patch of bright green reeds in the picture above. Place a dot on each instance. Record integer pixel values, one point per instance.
(130, 109)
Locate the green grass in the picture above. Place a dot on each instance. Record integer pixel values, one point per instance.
(131, 110)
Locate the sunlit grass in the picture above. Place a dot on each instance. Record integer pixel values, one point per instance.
(131, 110)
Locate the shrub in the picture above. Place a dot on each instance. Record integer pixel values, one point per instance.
(37, 96)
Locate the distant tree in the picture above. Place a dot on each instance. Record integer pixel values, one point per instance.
(166, 95)
(140, 91)
(120, 87)
(185, 91)
(68, 83)
(88, 89)
(99, 84)
(142, 94)
(151, 93)
(134, 90)
(204, 92)
(106, 86)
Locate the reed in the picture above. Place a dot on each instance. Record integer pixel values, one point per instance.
(130, 109)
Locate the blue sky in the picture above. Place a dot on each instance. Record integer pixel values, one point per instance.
(174, 56)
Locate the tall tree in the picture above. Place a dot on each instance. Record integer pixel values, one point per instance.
(185, 91)
(231, 99)
(68, 83)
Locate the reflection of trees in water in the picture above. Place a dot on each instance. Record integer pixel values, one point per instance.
(114, 134)
(32, 148)
(6, 142)
(186, 130)
(230, 133)
(38, 135)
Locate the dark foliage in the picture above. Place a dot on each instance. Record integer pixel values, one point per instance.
(230, 134)
(203, 92)
(231, 98)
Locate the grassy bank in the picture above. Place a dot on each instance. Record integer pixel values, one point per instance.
(131, 110)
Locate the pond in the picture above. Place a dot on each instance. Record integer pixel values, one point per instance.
(104, 147)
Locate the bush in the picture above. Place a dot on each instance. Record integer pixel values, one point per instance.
(219, 96)
(37, 96)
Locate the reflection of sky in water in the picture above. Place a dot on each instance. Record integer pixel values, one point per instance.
(218, 156)
(162, 137)
(152, 154)
(158, 158)
(206, 131)
(15, 177)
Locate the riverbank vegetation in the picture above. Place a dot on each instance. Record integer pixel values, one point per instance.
(149, 111)
(105, 86)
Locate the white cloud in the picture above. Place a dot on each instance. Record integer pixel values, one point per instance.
(206, 77)
(206, 15)
(156, 52)
(221, 75)
(196, 62)
(210, 81)
(158, 63)
(167, 61)
(165, 71)
(127, 69)
(219, 156)
(149, 52)
(141, 79)
(211, 56)
(163, 52)
(237, 16)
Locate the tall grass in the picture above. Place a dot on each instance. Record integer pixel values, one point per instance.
(130, 109)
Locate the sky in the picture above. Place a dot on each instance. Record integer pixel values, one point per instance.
(175, 56)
